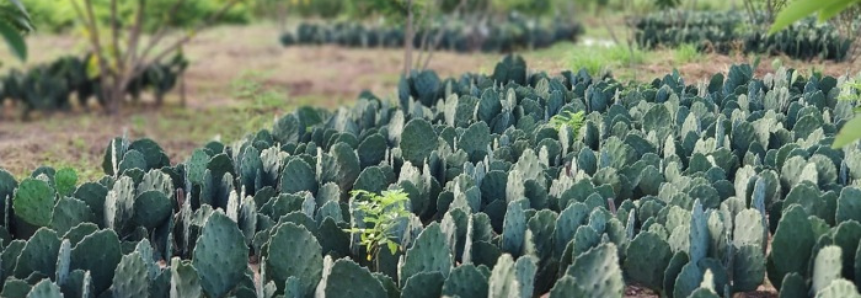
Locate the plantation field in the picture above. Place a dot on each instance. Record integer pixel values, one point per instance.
(679, 158)
(244, 85)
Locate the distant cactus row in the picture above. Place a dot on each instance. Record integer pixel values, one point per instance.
(699, 190)
(724, 32)
(50, 86)
(514, 34)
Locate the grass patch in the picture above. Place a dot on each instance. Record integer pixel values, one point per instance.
(686, 53)
(599, 59)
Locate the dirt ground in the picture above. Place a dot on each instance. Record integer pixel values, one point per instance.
(226, 58)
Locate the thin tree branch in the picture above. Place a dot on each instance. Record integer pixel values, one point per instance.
(408, 40)
(438, 37)
(90, 21)
(187, 37)
(115, 38)
(162, 30)
(134, 37)
(425, 33)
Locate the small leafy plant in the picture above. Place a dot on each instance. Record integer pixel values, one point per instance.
(382, 213)
(573, 120)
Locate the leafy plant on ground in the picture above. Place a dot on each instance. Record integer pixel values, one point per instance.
(571, 119)
(383, 213)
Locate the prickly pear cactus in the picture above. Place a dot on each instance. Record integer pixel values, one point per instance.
(465, 281)
(424, 285)
(220, 267)
(131, 278)
(34, 202)
(514, 229)
(597, 272)
(430, 252)
(791, 245)
(38, 255)
(102, 265)
(184, 281)
(45, 289)
(304, 260)
(827, 267)
(345, 279)
(839, 288)
(646, 258)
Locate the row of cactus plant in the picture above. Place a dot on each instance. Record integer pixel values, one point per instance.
(725, 32)
(517, 32)
(50, 86)
(689, 190)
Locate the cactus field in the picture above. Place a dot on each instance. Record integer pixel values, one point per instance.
(514, 183)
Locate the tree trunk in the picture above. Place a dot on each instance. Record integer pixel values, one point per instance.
(182, 89)
(408, 40)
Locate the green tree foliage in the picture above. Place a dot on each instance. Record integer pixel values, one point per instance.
(14, 23)
(383, 213)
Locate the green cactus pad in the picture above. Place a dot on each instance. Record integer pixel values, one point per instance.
(749, 229)
(77, 233)
(502, 281)
(101, 265)
(514, 229)
(827, 267)
(677, 263)
(567, 224)
(794, 286)
(430, 252)
(688, 280)
(288, 129)
(848, 204)
(348, 280)
(423, 285)
(133, 159)
(220, 267)
(304, 260)
(839, 288)
(68, 213)
(34, 202)
(465, 281)
(647, 257)
(63, 262)
(417, 141)
(391, 287)
(184, 280)
(372, 150)
(65, 181)
(119, 204)
(748, 268)
(45, 289)
(567, 286)
(704, 293)
(597, 271)
(93, 194)
(15, 288)
(699, 242)
(151, 209)
(298, 176)
(791, 244)
(131, 278)
(7, 189)
(73, 285)
(39, 254)
(348, 167)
